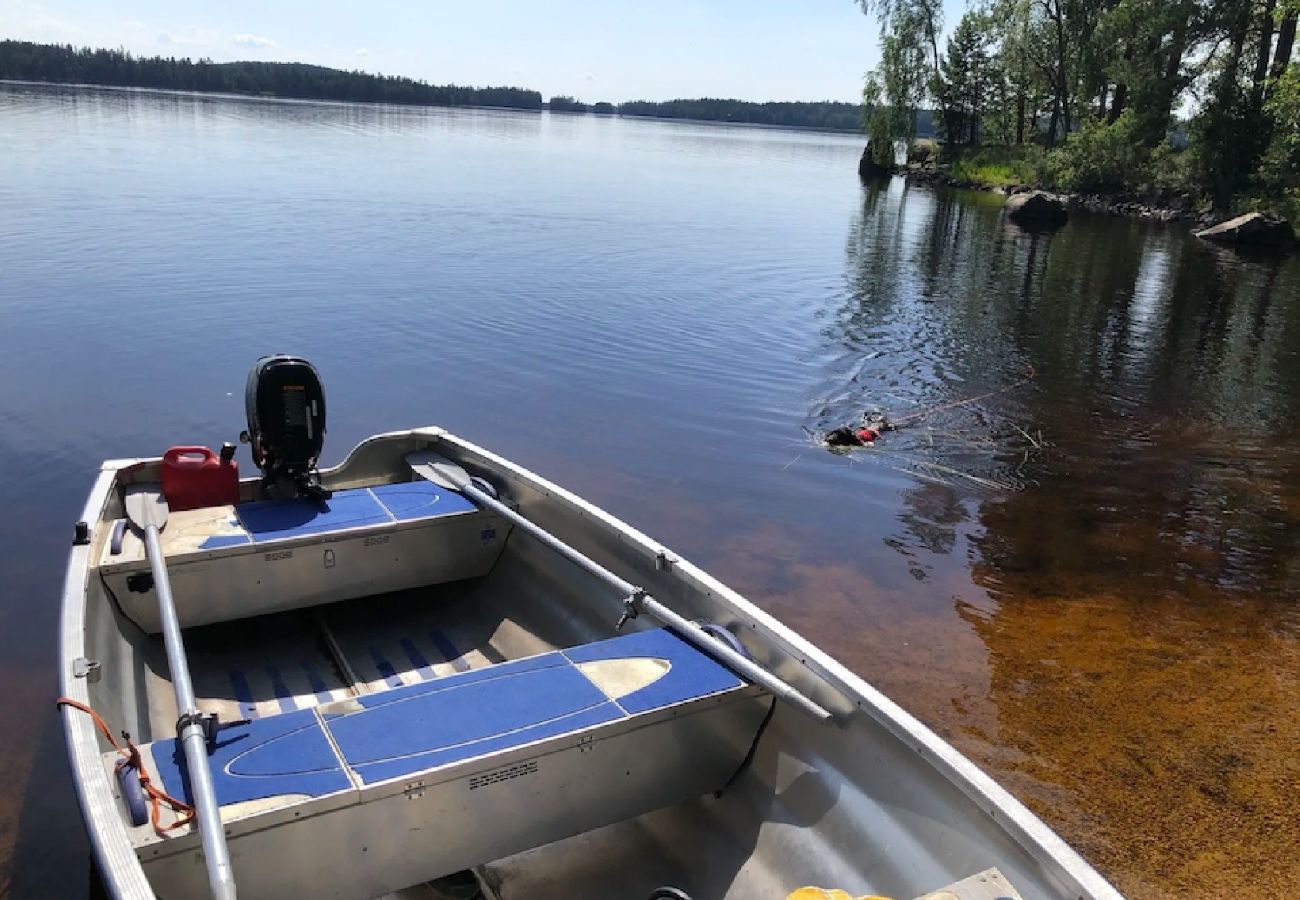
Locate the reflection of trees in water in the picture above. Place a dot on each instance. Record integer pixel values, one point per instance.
(1170, 404)
(922, 322)
(1160, 362)
(931, 515)
(1143, 619)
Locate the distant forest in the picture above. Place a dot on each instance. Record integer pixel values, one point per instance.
(64, 63)
(826, 114)
(27, 61)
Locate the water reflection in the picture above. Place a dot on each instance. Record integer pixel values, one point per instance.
(1137, 585)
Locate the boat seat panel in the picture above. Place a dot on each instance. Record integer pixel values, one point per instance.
(288, 754)
(278, 520)
(232, 562)
(412, 500)
(399, 733)
(471, 767)
(691, 673)
(416, 729)
(395, 737)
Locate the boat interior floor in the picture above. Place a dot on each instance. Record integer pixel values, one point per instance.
(282, 663)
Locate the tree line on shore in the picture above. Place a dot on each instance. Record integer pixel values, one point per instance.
(65, 63)
(1195, 98)
(825, 115)
(28, 61)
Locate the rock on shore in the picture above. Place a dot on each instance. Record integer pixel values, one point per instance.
(869, 168)
(1038, 207)
(1253, 228)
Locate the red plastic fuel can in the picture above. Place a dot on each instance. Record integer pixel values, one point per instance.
(196, 477)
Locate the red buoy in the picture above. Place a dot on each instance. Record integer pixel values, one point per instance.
(196, 477)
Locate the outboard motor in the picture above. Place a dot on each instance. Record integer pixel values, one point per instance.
(286, 425)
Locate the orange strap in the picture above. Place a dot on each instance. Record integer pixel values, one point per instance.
(131, 757)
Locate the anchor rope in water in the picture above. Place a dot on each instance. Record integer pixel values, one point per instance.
(1030, 374)
(131, 757)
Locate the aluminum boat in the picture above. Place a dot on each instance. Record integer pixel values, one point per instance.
(430, 672)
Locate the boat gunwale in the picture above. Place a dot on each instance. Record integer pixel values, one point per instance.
(120, 870)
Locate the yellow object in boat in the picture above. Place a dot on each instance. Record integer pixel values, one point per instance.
(816, 893)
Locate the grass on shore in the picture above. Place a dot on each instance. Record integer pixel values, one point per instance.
(998, 166)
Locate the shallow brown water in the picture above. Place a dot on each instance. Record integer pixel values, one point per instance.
(1089, 581)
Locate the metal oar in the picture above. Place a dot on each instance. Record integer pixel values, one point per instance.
(147, 511)
(446, 474)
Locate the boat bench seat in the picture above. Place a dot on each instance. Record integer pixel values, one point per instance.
(565, 741)
(232, 562)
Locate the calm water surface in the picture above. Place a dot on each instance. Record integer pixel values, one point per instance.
(1088, 580)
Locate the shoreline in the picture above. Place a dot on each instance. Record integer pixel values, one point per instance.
(544, 108)
(261, 97)
(1181, 210)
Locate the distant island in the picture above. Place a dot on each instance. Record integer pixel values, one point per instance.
(825, 115)
(63, 63)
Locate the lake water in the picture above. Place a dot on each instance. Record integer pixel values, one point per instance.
(1088, 580)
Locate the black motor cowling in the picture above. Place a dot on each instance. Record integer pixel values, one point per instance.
(285, 403)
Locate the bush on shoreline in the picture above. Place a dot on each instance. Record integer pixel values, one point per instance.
(1104, 160)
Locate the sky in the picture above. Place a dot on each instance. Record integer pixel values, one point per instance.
(615, 50)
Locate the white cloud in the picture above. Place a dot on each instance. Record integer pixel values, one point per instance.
(183, 40)
(253, 40)
(362, 51)
(589, 77)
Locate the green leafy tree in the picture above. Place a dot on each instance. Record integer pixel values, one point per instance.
(1280, 169)
(892, 96)
(969, 78)
(909, 64)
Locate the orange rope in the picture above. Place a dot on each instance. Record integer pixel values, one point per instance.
(1029, 376)
(131, 757)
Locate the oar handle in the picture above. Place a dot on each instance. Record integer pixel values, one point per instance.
(639, 601)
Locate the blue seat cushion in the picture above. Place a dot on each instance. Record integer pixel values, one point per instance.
(410, 730)
(271, 757)
(401, 732)
(398, 733)
(277, 520)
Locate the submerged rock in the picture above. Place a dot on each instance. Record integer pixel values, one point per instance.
(1038, 207)
(1252, 228)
